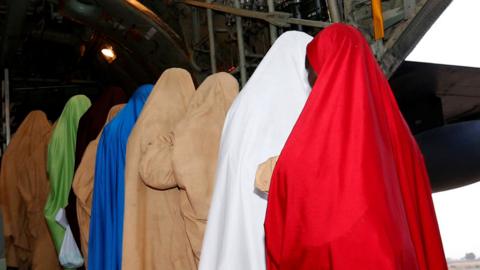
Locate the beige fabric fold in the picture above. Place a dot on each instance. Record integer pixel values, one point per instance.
(83, 186)
(154, 235)
(34, 190)
(264, 174)
(187, 157)
(24, 188)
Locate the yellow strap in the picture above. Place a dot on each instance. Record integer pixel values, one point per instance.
(378, 30)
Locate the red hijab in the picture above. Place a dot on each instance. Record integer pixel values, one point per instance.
(350, 189)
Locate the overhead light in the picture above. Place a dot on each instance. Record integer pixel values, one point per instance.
(108, 53)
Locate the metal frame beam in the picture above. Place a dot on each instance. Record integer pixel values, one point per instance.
(273, 29)
(280, 19)
(409, 8)
(6, 92)
(334, 12)
(211, 39)
(241, 47)
(398, 48)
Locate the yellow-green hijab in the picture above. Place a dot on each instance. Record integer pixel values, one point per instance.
(61, 162)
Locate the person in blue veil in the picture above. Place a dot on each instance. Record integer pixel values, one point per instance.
(106, 224)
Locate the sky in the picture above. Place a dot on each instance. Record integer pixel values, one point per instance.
(458, 214)
(454, 39)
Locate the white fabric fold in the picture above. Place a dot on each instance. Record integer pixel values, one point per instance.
(256, 128)
(69, 255)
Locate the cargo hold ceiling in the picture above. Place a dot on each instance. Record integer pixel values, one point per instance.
(52, 47)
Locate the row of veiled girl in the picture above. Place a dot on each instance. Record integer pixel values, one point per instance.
(180, 123)
(317, 130)
(346, 183)
(347, 186)
(154, 170)
(37, 169)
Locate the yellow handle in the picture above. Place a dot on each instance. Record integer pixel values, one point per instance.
(378, 30)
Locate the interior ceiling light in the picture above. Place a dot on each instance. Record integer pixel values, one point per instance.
(109, 54)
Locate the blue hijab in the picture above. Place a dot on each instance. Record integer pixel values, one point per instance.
(106, 223)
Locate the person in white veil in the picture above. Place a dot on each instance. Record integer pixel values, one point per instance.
(256, 128)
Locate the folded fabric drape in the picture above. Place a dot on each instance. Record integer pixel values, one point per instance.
(350, 189)
(89, 126)
(61, 162)
(82, 186)
(256, 127)
(154, 234)
(106, 222)
(186, 158)
(23, 191)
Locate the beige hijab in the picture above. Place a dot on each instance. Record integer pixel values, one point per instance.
(187, 157)
(34, 190)
(83, 186)
(153, 234)
(24, 188)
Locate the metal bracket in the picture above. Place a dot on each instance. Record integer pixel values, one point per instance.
(279, 19)
(409, 8)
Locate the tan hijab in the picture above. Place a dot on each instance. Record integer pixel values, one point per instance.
(34, 190)
(83, 186)
(24, 189)
(187, 157)
(153, 234)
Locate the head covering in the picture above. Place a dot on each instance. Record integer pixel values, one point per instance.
(256, 127)
(187, 157)
(82, 186)
(106, 223)
(154, 232)
(89, 127)
(350, 190)
(61, 162)
(34, 189)
(23, 189)
(92, 122)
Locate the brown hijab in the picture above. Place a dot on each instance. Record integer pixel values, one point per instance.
(187, 157)
(153, 233)
(24, 189)
(83, 186)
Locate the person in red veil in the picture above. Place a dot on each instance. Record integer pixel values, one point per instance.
(350, 188)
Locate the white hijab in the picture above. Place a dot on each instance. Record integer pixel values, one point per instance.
(256, 128)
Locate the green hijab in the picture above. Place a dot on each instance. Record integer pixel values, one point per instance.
(61, 162)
